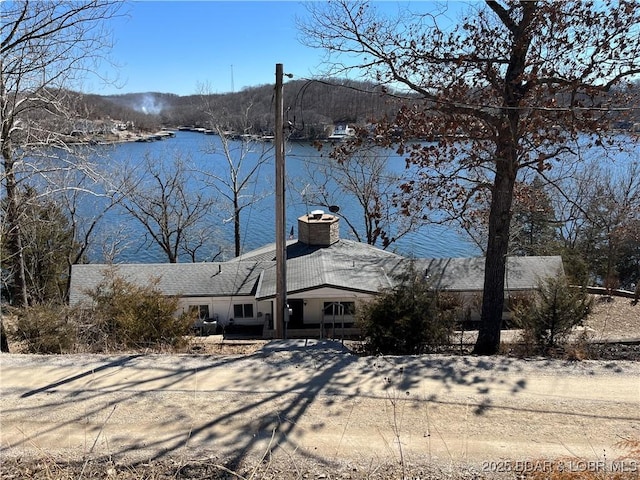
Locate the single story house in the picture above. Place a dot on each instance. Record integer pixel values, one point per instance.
(327, 278)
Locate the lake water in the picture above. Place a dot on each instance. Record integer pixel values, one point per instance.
(258, 221)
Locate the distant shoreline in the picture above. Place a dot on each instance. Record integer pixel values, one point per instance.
(122, 137)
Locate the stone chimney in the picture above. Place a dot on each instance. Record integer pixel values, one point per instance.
(318, 228)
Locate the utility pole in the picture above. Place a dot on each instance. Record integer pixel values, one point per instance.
(281, 246)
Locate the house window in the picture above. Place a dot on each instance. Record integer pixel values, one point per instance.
(339, 308)
(201, 310)
(243, 310)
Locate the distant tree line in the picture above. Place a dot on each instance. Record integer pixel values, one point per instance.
(311, 106)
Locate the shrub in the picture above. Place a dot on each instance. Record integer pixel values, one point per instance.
(411, 318)
(134, 316)
(551, 314)
(45, 328)
(121, 316)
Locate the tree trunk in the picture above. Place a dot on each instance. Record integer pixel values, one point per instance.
(488, 341)
(236, 226)
(506, 162)
(18, 286)
(4, 343)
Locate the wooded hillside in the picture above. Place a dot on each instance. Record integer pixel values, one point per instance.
(310, 107)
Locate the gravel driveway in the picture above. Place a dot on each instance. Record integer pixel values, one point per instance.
(309, 401)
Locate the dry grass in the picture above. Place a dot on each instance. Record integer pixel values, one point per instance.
(614, 318)
(290, 467)
(217, 345)
(626, 466)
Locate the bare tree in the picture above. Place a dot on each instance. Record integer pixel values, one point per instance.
(167, 199)
(242, 159)
(363, 177)
(46, 47)
(48, 241)
(520, 82)
(241, 156)
(78, 193)
(602, 219)
(59, 221)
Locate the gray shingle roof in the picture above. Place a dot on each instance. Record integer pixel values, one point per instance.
(297, 249)
(325, 268)
(183, 279)
(345, 265)
(467, 274)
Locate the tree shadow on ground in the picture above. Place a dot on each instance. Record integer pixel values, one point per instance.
(258, 408)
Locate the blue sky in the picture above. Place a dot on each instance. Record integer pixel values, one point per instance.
(182, 46)
(191, 47)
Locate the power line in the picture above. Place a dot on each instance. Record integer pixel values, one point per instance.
(416, 97)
